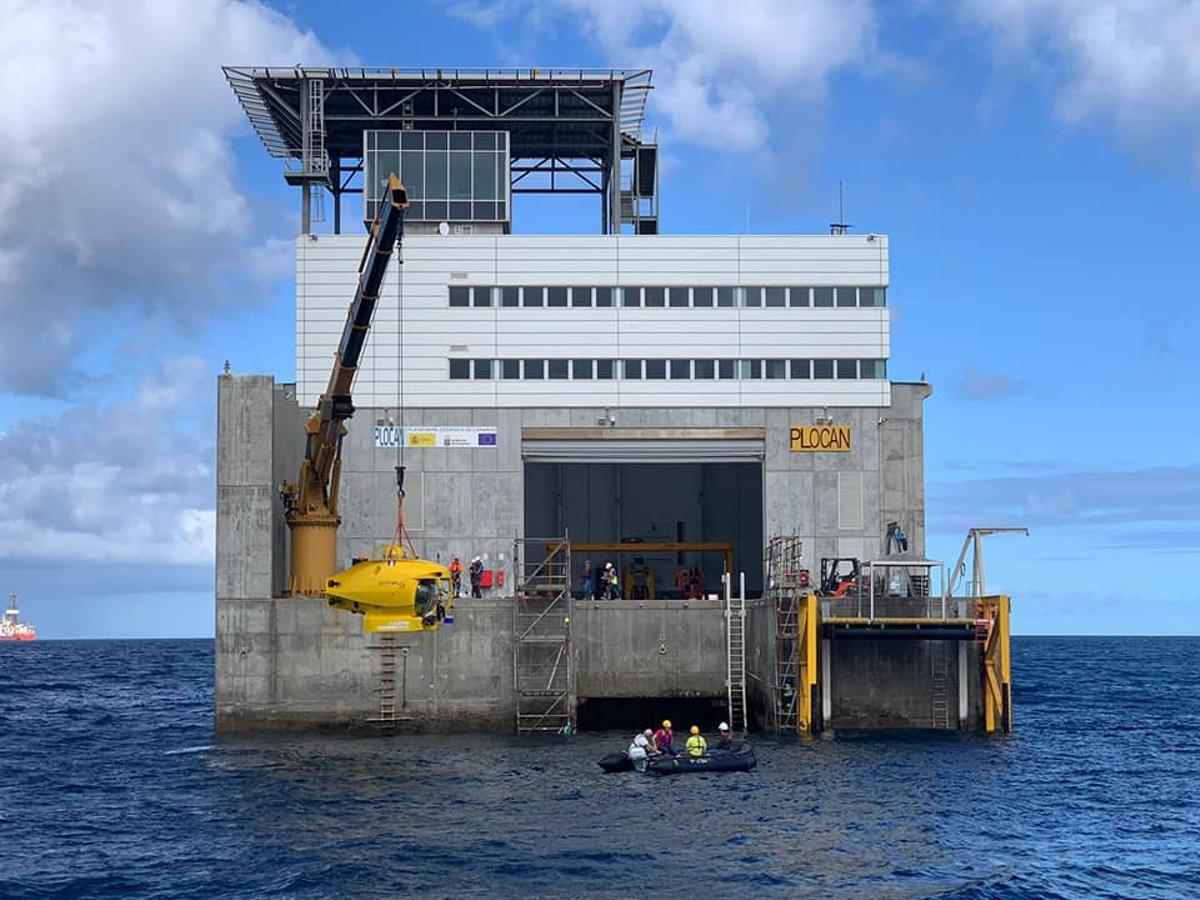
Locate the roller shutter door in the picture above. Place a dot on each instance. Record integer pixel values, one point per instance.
(642, 451)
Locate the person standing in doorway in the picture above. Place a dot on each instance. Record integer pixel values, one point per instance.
(475, 572)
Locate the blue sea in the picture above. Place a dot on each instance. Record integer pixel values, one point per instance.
(113, 784)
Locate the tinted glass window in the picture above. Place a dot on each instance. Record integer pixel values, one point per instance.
(847, 368)
(822, 368)
(510, 296)
(753, 296)
(798, 296)
(604, 296)
(776, 368)
(632, 369)
(750, 368)
(802, 368)
(631, 296)
(581, 296)
(604, 368)
(725, 369)
(702, 296)
(872, 368)
(847, 296)
(460, 368)
(557, 369)
(581, 369)
(510, 368)
(776, 296)
(823, 296)
(485, 141)
(481, 296)
(535, 369)
(726, 296)
(436, 140)
(704, 368)
(656, 368)
(483, 369)
(654, 296)
(460, 140)
(680, 368)
(678, 296)
(556, 296)
(460, 296)
(870, 296)
(460, 176)
(533, 296)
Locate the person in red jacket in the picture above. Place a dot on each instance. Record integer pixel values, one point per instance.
(663, 738)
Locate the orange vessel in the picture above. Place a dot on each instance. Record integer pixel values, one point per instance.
(11, 628)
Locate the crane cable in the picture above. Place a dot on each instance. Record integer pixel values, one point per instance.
(401, 536)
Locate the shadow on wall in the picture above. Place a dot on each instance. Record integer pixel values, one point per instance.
(635, 713)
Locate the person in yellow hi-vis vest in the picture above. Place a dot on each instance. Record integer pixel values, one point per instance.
(696, 744)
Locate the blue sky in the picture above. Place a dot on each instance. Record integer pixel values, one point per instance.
(1036, 163)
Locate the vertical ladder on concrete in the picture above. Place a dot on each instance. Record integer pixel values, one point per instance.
(939, 685)
(389, 715)
(784, 590)
(543, 674)
(735, 652)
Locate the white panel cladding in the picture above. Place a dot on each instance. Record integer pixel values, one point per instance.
(430, 331)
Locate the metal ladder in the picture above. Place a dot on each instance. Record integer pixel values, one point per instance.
(784, 563)
(389, 716)
(543, 674)
(735, 652)
(939, 689)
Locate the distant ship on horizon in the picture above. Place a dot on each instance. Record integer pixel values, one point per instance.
(11, 627)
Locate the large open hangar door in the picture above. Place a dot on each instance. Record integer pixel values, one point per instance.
(651, 490)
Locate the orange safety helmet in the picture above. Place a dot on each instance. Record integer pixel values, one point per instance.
(695, 729)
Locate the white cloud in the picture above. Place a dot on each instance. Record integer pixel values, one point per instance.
(719, 66)
(131, 481)
(119, 188)
(1129, 64)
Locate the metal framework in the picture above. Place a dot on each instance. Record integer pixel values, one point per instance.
(570, 130)
(795, 635)
(543, 668)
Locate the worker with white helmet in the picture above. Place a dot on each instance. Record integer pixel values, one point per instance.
(725, 740)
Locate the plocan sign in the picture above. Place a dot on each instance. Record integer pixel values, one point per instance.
(392, 437)
(820, 438)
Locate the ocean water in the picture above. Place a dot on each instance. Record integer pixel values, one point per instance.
(112, 784)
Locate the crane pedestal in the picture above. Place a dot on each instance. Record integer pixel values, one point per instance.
(314, 552)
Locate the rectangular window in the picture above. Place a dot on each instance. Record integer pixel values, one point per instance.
(485, 140)
(725, 369)
(632, 296)
(798, 296)
(822, 368)
(483, 369)
(847, 296)
(581, 369)
(823, 296)
(460, 369)
(557, 369)
(460, 175)
(753, 296)
(556, 296)
(533, 296)
(581, 296)
(776, 296)
(776, 368)
(510, 369)
(481, 296)
(871, 296)
(435, 140)
(631, 370)
(656, 368)
(750, 368)
(460, 140)
(847, 369)
(705, 368)
(535, 369)
(438, 212)
(680, 369)
(678, 296)
(604, 296)
(655, 296)
(460, 210)
(604, 369)
(726, 296)
(485, 176)
(412, 173)
(460, 296)
(510, 296)
(802, 368)
(872, 368)
(702, 296)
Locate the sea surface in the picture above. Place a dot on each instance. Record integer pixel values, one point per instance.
(112, 784)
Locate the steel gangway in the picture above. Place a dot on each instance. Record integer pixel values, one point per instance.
(543, 669)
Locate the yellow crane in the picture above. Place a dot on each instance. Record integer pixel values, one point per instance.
(392, 589)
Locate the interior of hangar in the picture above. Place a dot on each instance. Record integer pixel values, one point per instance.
(669, 527)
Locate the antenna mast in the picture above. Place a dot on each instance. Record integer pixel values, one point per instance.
(840, 226)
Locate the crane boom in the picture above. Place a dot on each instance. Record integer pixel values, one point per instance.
(311, 503)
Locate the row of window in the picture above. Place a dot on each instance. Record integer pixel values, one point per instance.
(665, 369)
(663, 297)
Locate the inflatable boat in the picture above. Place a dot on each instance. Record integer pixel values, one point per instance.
(739, 759)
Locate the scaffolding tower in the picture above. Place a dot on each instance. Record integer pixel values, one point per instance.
(795, 634)
(543, 674)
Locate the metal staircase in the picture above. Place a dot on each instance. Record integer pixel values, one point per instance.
(543, 674)
(735, 652)
(788, 593)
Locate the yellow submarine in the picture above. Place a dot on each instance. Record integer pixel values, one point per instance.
(393, 591)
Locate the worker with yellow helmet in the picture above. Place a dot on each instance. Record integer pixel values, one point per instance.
(696, 744)
(663, 738)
